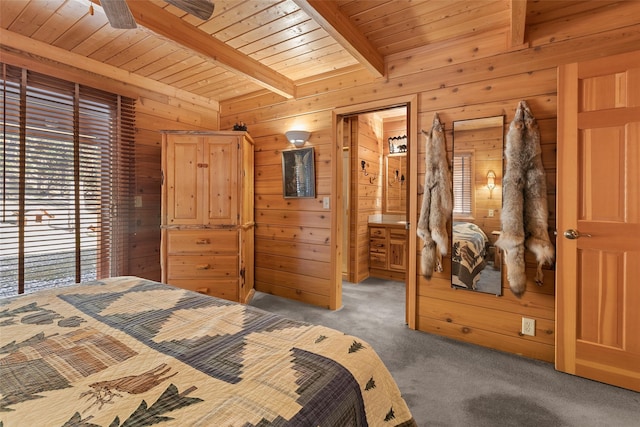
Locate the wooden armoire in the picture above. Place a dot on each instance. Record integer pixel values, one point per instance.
(207, 213)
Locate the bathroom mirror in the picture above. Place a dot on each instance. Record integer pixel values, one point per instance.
(395, 189)
(477, 203)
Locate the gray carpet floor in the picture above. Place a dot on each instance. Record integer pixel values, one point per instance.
(450, 383)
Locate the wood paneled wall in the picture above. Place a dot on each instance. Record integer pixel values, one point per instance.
(292, 241)
(469, 78)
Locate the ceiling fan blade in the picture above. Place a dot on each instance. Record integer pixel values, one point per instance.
(202, 9)
(118, 14)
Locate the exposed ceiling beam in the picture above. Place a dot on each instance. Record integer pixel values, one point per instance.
(518, 22)
(172, 27)
(333, 21)
(24, 51)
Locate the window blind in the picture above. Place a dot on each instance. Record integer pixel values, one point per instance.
(462, 188)
(66, 182)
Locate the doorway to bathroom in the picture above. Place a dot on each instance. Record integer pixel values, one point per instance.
(375, 185)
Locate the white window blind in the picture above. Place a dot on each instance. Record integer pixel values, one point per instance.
(66, 182)
(462, 184)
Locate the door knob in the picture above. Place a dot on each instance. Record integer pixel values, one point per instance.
(572, 234)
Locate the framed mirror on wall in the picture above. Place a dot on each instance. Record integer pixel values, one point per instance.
(477, 168)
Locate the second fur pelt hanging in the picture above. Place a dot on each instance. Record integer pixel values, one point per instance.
(524, 207)
(437, 201)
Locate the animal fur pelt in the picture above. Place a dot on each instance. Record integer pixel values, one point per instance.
(437, 201)
(524, 194)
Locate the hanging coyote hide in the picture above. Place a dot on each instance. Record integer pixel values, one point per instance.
(524, 194)
(436, 201)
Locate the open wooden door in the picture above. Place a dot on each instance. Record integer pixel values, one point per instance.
(598, 246)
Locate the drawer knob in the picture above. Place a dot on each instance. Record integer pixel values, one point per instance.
(203, 267)
(203, 242)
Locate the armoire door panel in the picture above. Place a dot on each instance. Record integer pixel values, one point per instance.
(222, 180)
(182, 179)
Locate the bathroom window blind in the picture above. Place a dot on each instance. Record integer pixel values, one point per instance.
(66, 182)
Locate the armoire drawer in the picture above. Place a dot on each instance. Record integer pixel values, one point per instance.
(221, 288)
(202, 267)
(202, 241)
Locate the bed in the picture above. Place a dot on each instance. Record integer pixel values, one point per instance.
(468, 257)
(127, 351)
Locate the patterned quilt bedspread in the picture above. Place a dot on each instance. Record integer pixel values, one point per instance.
(468, 254)
(132, 352)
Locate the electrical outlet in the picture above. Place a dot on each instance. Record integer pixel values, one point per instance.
(491, 213)
(528, 326)
(325, 203)
(138, 201)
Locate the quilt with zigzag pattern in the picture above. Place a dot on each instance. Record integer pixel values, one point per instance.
(128, 351)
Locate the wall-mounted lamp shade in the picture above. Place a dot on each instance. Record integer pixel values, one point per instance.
(491, 180)
(297, 137)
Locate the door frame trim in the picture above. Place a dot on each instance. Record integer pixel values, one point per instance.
(338, 114)
(566, 165)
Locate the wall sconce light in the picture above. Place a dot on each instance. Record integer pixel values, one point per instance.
(363, 165)
(491, 182)
(297, 137)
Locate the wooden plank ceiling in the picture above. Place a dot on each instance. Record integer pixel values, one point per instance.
(252, 45)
